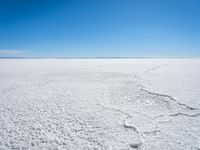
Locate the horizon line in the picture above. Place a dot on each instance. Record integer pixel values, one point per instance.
(98, 57)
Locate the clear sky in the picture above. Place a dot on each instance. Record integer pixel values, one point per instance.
(91, 28)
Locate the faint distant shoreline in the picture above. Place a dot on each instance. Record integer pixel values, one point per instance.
(99, 57)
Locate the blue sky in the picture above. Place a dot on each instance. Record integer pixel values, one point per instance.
(91, 28)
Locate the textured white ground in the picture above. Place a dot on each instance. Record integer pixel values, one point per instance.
(146, 104)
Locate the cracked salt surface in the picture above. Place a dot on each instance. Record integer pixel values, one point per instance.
(100, 104)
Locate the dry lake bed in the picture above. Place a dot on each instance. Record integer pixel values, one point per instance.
(114, 104)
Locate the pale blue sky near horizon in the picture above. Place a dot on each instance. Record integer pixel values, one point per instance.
(99, 28)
